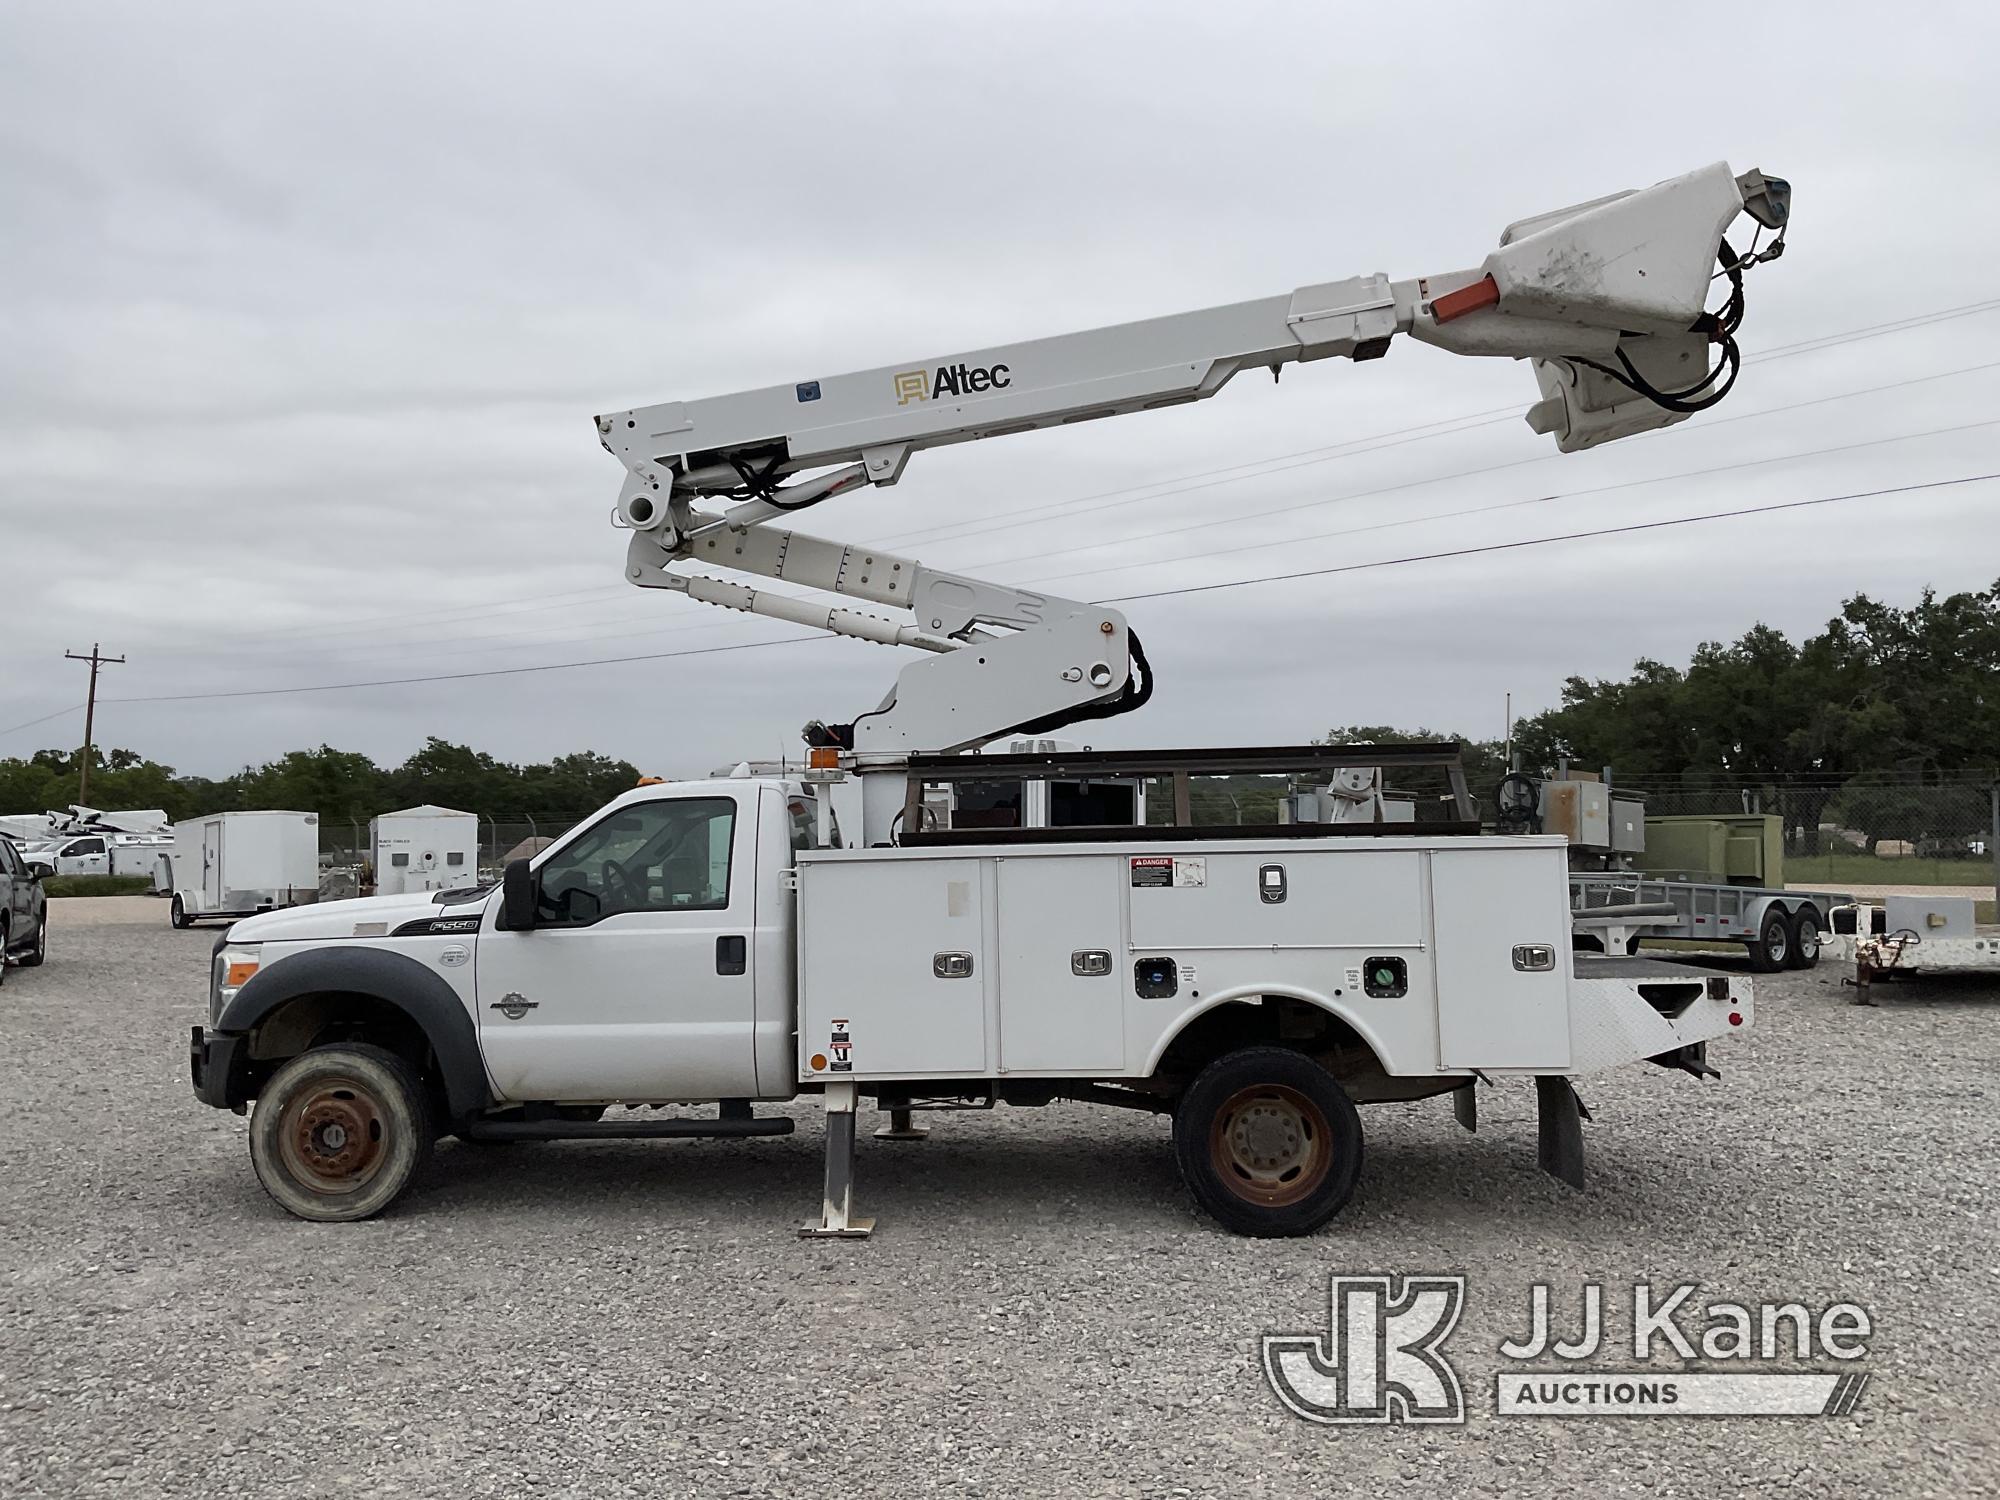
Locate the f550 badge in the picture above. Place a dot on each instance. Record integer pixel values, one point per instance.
(950, 380)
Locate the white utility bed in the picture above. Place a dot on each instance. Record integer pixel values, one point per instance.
(1444, 954)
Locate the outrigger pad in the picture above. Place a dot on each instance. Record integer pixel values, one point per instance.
(1560, 1150)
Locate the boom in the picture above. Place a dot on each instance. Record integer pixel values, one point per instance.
(1607, 299)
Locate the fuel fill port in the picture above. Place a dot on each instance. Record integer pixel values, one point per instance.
(1155, 978)
(1385, 978)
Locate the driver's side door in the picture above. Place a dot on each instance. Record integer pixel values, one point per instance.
(637, 981)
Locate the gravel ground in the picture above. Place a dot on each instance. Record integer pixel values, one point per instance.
(1040, 1311)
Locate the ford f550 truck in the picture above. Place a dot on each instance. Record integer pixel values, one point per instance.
(711, 941)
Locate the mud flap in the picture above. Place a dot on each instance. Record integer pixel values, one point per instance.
(1560, 1151)
(1465, 1105)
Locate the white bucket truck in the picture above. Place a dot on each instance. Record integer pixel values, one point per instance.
(719, 941)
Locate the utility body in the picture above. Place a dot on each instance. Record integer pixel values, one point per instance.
(750, 938)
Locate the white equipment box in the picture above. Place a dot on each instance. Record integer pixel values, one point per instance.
(424, 848)
(236, 863)
(1444, 955)
(1929, 917)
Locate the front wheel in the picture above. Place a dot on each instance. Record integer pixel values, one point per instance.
(1805, 938)
(1771, 948)
(339, 1132)
(1268, 1142)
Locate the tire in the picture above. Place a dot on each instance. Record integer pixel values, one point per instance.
(1268, 1142)
(1805, 938)
(177, 914)
(339, 1132)
(36, 956)
(4, 940)
(1771, 949)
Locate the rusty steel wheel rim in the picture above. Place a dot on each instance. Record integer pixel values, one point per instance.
(334, 1137)
(1271, 1145)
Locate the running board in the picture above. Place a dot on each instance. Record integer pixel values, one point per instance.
(621, 1130)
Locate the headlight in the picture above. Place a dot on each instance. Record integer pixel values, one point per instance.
(233, 965)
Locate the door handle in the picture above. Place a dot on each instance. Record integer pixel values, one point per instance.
(732, 954)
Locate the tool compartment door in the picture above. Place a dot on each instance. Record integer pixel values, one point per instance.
(1485, 903)
(882, 943)
(1054, 913)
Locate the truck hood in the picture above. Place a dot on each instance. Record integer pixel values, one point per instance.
(357, 917)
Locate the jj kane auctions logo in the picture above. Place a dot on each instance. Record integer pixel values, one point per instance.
(1381, 1357)
(950, 380)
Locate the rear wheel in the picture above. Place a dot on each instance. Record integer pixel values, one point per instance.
(1268, 1142)
(34, 957)
(1771, 949)
(5, 938)
(339, 1132)
(1805, 938)
(178, 914)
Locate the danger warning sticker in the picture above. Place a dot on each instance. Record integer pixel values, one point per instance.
(1163, 870)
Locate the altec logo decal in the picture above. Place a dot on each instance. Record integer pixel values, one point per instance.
(950, 380)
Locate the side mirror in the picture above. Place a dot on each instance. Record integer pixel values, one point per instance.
(519, 897)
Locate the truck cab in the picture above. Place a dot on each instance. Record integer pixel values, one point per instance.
(645, 957)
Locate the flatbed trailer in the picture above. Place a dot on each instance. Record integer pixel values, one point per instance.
(1881, 946)
(1780, 929)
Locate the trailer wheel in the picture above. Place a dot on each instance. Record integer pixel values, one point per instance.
(339, 1132)
(178, 914)
(1268, 1142)
(1771, 949)
(1805, 938)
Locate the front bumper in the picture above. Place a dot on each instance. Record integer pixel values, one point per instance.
(215, 1063)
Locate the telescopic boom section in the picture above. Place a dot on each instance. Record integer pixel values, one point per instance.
(1607, 299)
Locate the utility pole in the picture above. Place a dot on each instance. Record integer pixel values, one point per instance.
(96, 660)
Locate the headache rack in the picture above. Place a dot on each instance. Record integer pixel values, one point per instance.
(1180, 768)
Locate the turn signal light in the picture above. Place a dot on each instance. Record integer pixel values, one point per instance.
(824, 758)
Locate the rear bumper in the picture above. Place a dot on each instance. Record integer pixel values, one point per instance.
(215, 1061)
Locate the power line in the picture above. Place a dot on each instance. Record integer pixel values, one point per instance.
(1602, 489)
(502, 636)
(555, 666)
(1121, 599)
(31, 723)
(1543, 541)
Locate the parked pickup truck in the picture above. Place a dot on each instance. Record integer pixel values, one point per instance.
(703, 941)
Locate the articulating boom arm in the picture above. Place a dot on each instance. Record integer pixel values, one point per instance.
(1608, 299)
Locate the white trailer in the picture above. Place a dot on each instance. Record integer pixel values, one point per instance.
(1912, 933)
(426, 848)
(236, 864)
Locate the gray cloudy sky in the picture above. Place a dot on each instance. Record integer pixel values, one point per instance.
(304, 313)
